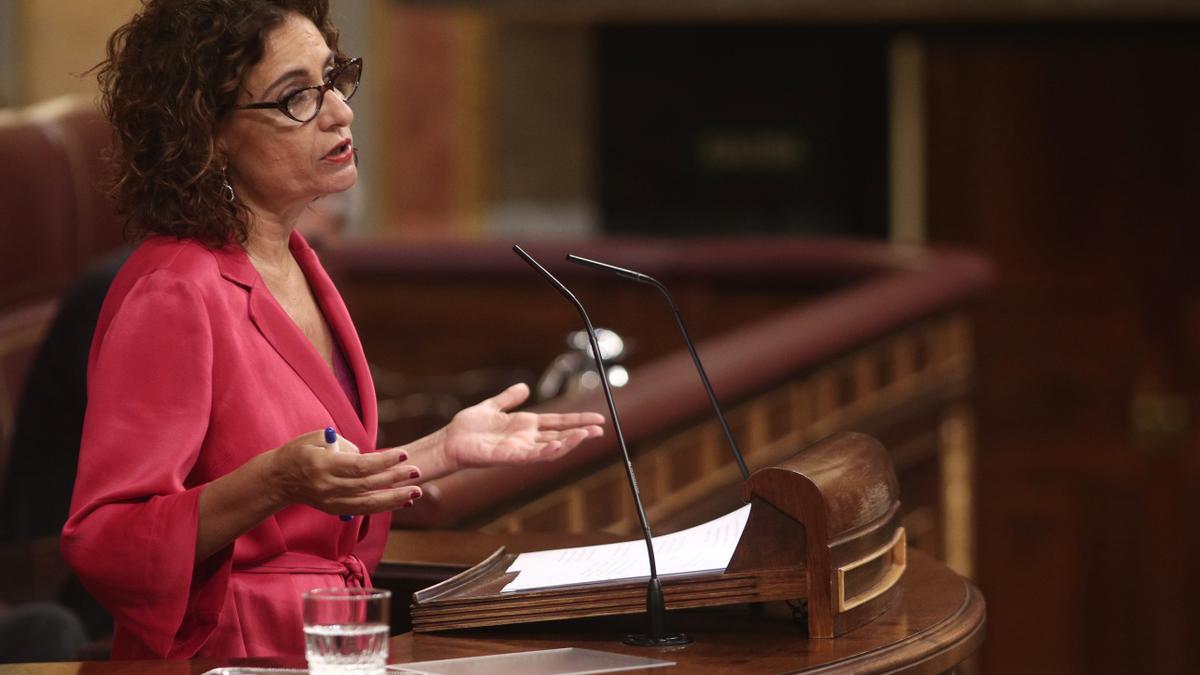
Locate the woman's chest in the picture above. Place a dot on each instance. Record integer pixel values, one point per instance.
(300, 305)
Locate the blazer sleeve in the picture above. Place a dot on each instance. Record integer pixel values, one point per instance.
(131, 536)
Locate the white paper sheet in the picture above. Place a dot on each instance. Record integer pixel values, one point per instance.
(703, 548)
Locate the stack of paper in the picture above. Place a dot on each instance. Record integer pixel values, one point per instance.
(702, 548)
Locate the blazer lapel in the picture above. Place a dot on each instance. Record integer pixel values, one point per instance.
(293, 347)
(338, 318)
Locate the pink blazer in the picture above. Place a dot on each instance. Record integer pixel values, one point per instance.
(194, 369)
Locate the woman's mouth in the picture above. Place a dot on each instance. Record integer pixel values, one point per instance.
(342, 152)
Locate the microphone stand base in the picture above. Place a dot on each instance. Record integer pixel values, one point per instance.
(668, 640)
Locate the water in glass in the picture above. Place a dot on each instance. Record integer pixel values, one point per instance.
(346, 649)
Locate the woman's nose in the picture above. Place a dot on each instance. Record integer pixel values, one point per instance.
(336, 109)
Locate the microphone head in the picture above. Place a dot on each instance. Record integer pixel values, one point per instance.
(619, 271)
(548, 277)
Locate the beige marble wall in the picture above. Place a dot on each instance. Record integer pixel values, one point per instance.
(61, 41)
(490, 127)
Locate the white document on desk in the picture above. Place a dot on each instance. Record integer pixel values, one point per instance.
(704, 548)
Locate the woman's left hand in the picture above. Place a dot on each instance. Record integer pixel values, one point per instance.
(486, 434)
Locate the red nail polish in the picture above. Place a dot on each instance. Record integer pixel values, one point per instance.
(414, 474)
(407, 504)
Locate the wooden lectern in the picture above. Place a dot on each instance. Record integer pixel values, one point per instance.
(823, 529)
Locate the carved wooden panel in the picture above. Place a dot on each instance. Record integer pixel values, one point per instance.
(687, 477)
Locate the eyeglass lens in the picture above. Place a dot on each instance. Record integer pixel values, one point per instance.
(306, 103)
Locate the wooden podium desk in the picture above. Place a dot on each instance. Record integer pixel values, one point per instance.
(936, 624)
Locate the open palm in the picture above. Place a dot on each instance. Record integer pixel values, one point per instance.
(486, 434)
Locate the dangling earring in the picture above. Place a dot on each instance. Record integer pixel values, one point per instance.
(226, 187)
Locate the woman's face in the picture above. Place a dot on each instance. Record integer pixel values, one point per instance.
(276, 164)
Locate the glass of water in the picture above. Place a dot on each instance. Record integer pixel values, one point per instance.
(346, 630)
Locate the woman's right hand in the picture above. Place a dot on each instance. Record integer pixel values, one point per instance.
(338, 479)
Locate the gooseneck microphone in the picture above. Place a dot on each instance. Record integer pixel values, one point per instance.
(655, 604)
(651, 281)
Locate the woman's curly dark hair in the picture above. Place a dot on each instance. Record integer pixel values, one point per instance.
(171, 76)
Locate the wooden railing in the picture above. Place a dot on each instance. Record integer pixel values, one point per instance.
(801, 338)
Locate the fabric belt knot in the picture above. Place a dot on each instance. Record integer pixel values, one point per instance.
(356, 571)
(349, 567)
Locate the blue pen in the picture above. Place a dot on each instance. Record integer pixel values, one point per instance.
(330, 439)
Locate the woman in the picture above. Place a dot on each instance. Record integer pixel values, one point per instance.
(208, 498)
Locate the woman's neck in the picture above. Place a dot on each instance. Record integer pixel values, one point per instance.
(267, 245)
(267, 240)
(270, 230)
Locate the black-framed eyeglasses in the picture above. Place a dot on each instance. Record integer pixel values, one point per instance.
(303, 105)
